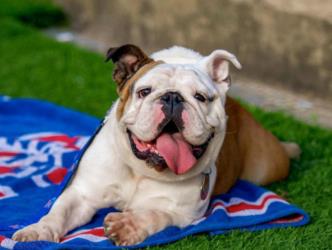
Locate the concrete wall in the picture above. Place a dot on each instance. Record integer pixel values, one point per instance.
(273, 42)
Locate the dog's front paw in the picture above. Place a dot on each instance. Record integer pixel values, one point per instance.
(124, 229)
(36, 231)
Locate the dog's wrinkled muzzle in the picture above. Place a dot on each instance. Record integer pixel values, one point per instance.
(172, 102)
(172, 107)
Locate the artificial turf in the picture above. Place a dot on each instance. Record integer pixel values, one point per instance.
(32, 65)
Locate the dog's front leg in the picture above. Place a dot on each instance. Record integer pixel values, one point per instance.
(71, 210)
(132, 227)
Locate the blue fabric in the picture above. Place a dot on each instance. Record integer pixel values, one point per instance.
(40, 145)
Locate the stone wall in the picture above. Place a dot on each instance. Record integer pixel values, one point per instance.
(285, 45)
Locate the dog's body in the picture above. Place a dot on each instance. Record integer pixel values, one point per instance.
(132, 164)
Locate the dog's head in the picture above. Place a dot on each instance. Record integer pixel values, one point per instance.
(171, 113)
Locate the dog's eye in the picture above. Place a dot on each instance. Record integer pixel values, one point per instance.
(200, 97)
(144, 92)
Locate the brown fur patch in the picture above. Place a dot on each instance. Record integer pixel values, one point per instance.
(249, 152)
(125, 91)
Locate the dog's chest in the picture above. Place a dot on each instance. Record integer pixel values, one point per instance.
(139, 192)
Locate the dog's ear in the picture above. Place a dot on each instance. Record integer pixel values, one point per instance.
(217, 65)
(128, 60)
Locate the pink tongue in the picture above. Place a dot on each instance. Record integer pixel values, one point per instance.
(176, 152)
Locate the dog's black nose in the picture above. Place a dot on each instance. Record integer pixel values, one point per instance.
(172, 100)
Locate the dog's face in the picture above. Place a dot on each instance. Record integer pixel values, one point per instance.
(171, 112)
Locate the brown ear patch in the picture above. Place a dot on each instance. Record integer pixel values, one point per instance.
(128, 60)
(131, 63)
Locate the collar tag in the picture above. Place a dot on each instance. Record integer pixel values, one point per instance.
(205, 185)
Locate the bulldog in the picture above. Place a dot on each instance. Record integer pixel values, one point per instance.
(171, 140)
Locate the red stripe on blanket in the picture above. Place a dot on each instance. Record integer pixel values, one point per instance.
(94, 234)
(244, 206)
(290, 219)
(69, 141)
(57, 175)
(8, 153)
(5, 170)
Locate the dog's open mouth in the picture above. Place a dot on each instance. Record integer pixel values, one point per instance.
(168, 149)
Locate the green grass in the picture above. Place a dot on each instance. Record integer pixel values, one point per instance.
(37, 13)
(32, 65)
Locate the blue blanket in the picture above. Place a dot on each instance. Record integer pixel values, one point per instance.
(39, 143)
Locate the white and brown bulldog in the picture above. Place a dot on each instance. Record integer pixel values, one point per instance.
(170, 141)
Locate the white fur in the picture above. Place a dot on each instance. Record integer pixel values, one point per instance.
(110, 175)
(177, 55)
